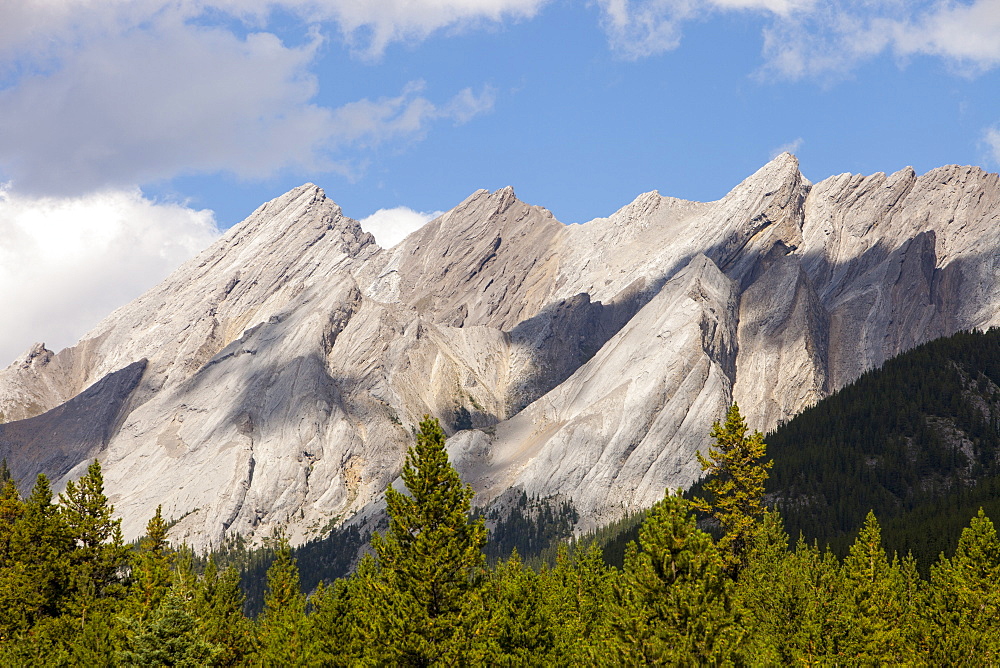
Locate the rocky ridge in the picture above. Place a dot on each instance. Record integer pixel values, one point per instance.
(286, 364)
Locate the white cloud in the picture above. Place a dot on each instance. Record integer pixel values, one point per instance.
(390, 226)
(641, 28)
(791, 147)
(968, 34)
(174, 99)
(40, 26)
(373, 25)
(406, 115)
(65, 263)
(811, 38)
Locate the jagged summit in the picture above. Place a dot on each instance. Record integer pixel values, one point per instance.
(287, 362)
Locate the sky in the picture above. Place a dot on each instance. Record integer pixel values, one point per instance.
(133, 132)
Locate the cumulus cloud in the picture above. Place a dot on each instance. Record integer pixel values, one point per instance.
(176, 99)
(65, 263)
(390, 226)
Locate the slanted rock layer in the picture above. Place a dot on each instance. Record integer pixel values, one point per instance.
(275, 379)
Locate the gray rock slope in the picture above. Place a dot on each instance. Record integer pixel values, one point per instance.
(283, 368)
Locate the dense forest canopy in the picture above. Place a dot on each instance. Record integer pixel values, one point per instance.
(72, 593)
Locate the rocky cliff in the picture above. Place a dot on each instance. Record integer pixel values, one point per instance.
(275, 378)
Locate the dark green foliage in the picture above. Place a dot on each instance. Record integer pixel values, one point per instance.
(429, 562)
(964, 599)
(918, 441)
(320, 559)
(72, 594)
(523, 627)
(676, 602)
(170, 637)
(150, 570)
(283, 626)
(97, 565)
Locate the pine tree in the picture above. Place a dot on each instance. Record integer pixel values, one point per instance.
(676, 603)
(787, 598)
(429, 561)
(282, 627)
(578, 595)
(523, 629)
(217, 604)
(737, 472)
(169, 637)
(42, 544)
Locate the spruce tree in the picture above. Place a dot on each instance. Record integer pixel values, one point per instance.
(523, 628)
(42, 544)
(737, 471)
(217, 604)
(99, 560)
(169, 637)
(150, 570)
(429, 561)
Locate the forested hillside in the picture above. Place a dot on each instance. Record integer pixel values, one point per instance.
(71, 593)
(917, 441)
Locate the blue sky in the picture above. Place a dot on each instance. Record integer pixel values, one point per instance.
(132, 132)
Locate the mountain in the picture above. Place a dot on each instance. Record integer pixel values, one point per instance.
(283, 369)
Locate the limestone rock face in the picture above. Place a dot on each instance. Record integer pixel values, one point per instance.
(275, 379)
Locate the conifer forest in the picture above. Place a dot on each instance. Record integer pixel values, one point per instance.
(716, 576)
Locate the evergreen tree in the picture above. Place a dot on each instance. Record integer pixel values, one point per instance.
(41, 544)
(577, 596)
(737, 472)
(150, 570)
(873, 613)
(523, 628)
(429, 561)
(217, 604)
(98, 562)
(787, 598)
(964, 600)
(282, 627)
(346, 619)
(13, 578)
(169, 637)
(677, 603)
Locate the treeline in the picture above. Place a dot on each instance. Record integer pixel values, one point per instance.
(72, 593)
